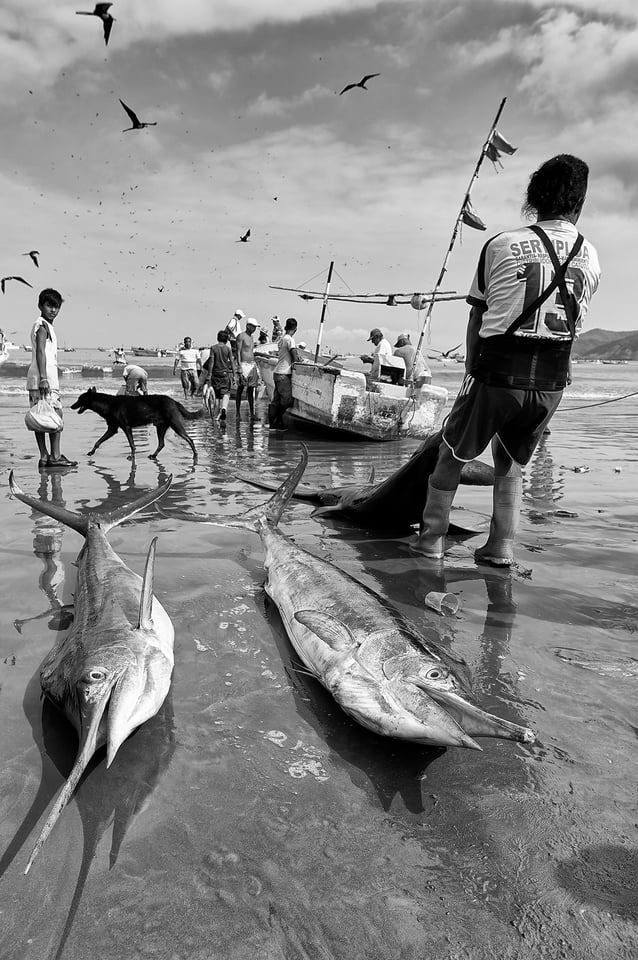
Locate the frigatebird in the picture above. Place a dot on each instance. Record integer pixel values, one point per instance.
(137, 123)
(21, 279)
(361, 83)
(101, 11)
(34, 254)
(244, 239)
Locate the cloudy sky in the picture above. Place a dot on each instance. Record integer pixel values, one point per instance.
(139, 230)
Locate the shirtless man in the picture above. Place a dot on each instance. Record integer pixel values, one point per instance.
(248, 372)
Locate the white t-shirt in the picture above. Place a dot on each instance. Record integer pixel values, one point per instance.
(382, 349)
(514, 268)
(188, 357)
(285, 345)
(234, 327)
(50, 354)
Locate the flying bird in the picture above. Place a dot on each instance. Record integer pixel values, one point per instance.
(362, 83)
(101, 11)
(34, 254)
(244, 239)
(21, 279)
(137, 123)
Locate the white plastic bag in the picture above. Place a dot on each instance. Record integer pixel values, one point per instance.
(43, 418)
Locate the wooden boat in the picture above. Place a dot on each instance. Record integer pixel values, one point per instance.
(146, 352)
(326, 395)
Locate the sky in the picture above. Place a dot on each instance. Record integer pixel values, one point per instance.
(139, 230)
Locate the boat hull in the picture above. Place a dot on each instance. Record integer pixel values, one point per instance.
(342, 400)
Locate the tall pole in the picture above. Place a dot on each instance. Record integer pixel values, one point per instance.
(323, 309)
(458, 223)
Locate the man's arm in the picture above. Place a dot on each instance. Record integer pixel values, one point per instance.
(41, 358)
(175, 362)
(472, 339)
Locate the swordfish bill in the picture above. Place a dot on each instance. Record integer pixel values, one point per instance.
(112, 670)
(378, 667)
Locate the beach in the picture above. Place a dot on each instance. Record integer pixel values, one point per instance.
(251, 818)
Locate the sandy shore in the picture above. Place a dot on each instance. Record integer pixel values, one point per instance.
(252, 818)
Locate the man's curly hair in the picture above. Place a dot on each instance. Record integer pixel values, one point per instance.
(558, 186)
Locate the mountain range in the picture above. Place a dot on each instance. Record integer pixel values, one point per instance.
(606, 345)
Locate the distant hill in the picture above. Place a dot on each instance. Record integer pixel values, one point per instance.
(606, 345)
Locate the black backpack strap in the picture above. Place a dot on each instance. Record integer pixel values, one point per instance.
(558, 280)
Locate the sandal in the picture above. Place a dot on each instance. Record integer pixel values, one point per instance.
(62, 461)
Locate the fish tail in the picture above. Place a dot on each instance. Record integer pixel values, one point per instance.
(76, 521)
(273, 508)
(80, 522)
(112, 519)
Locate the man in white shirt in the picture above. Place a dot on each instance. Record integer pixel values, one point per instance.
(282, 376)
(189, 364)
(135, 380)
(382, 348)
(233, 328)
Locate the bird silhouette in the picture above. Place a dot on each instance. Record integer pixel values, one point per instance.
(361, 83)
(34, 254)
(101, 11)
(244, 239)
(137, 123)
(21, 279)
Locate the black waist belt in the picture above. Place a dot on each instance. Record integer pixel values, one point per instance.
(523, 363)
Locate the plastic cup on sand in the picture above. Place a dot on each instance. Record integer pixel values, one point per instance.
(443, 603)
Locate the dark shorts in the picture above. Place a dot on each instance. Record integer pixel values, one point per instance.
(516, 417)
(283, 390)
(221, 384)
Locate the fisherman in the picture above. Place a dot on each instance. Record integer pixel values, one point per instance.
(248, 374)
(135, 380)
(523, 321)
(416, 369)
(233, 327)
(282, 376)
(382, 348)
(276, 329)
(189, 363)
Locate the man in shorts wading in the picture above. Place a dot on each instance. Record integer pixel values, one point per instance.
(248, 372)
(528, 300)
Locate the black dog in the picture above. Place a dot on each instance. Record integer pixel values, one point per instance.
(124, 413)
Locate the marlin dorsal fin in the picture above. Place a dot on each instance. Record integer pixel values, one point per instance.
(371, 477)
(146, 597)
(332, 631)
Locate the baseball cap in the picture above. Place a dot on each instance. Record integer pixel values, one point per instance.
(402, 338)
(251, 321)
(375, 333)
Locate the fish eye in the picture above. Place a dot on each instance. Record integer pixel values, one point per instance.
(435, 674)
(94, 675)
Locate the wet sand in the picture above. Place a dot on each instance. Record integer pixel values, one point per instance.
(252, 818)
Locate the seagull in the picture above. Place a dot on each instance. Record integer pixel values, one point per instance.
(362, 83)
(137, 124)
(21, 279)
(34, 254)
(101, 11)
(244, 239)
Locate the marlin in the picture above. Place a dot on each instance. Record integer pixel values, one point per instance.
(396, 502)
(376, 664)
(112, 671)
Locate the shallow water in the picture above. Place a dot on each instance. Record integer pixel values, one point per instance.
(252, 818)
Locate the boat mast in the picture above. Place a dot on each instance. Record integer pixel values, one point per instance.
(323, 309)
(458, 223)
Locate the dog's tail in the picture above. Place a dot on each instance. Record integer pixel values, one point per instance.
(191, 414)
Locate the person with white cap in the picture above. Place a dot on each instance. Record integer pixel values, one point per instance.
(248, 373)
(233, 328)
(382, 348)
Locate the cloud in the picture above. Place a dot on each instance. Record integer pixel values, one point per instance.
(38, 39)
(572, 60)
(266, 106)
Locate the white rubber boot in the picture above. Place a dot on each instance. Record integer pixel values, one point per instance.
(430, 541)
(506, 511)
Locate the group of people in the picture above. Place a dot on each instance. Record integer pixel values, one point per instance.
(212, 372)
(403, 363)
(528, 301)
